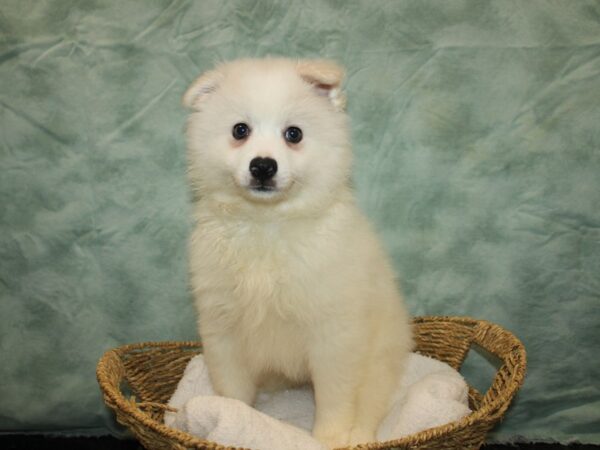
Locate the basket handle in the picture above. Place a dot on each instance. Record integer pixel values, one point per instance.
(510, 375)
(109, 371)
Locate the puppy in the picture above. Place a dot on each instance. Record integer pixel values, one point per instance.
(289, 280)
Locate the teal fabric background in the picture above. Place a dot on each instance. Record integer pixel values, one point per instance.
(477, 141)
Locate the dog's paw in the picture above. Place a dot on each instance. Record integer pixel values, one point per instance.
(332, 438)
(361, 436)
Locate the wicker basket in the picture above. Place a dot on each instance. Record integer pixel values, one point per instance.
(151, 372)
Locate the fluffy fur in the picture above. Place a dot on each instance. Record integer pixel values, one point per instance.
(291, 284)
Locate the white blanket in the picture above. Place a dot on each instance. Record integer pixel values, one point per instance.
(430, 394)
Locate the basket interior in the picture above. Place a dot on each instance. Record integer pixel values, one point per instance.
(151, 374)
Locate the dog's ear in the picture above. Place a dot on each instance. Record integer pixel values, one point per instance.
(201, 88)
(326, 78)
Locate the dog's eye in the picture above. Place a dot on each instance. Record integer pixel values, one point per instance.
(240, 131)
(293, 135)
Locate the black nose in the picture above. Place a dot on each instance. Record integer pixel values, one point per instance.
(263, 169)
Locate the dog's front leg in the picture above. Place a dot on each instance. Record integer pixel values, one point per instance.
(334, 383)
(228, 374)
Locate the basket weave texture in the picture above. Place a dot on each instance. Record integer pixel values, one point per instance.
(150, 371)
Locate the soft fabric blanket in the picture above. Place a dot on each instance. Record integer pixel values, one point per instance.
(429, 394)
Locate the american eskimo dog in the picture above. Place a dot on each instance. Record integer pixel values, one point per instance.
(289, 279)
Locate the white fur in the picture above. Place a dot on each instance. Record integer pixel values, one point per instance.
(289, 285)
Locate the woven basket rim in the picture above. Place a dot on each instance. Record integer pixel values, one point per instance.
(490, 412)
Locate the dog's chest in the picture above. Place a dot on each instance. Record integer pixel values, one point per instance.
(272, 287)
(245, 271)
(271, 266)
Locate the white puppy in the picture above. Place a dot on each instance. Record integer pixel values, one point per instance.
(289, 279)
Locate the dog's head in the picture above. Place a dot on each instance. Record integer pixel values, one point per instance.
(270, 132)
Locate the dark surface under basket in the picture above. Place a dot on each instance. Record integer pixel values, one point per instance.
(45, 442)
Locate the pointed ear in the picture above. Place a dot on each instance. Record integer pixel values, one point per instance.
(203, 86)
(326, 78)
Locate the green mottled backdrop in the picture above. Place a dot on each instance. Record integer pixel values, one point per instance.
(477, 133)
